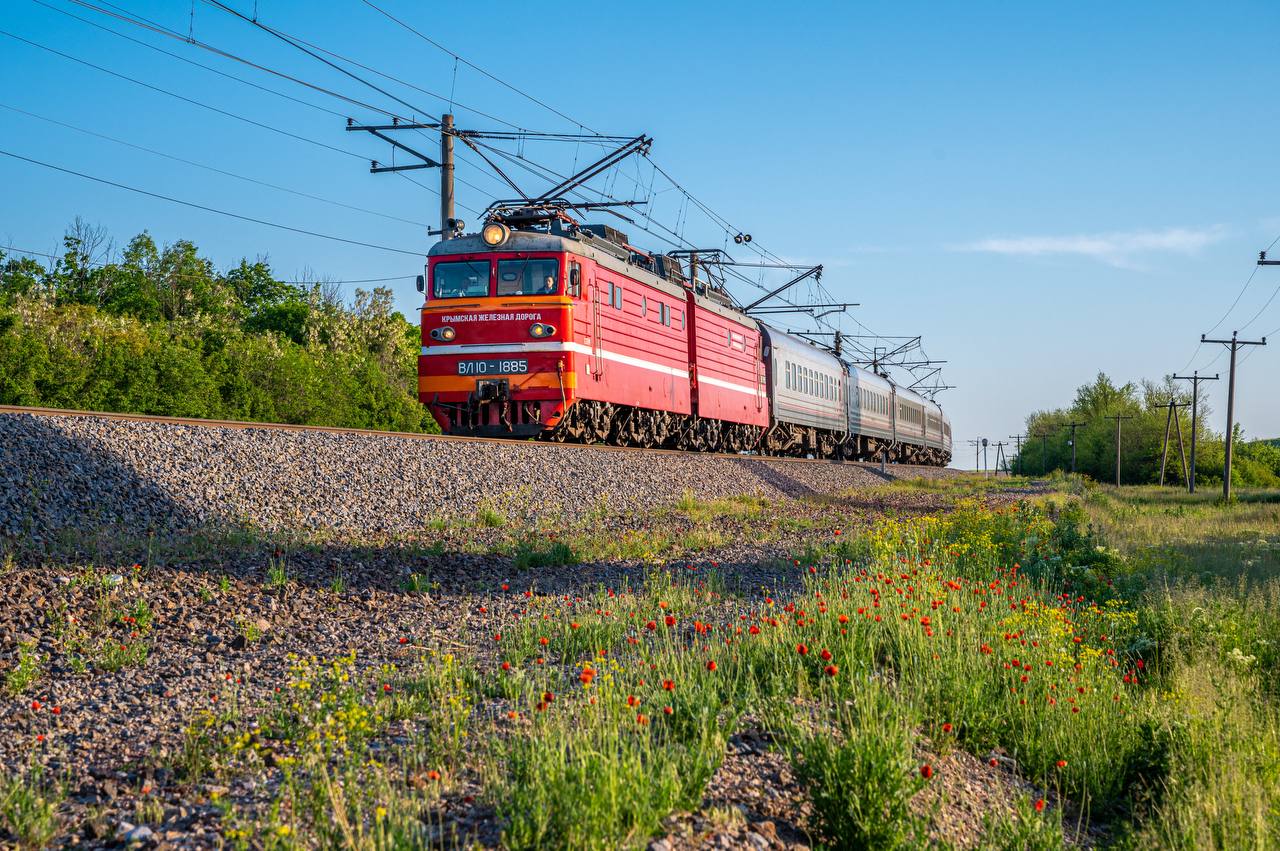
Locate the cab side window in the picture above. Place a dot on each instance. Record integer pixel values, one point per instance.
(575, 278)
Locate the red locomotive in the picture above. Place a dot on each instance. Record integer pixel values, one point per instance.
(541, 327)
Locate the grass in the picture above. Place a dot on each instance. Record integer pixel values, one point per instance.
(29, 804)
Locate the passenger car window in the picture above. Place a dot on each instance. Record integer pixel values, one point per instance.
(533, 276)
(460, 279)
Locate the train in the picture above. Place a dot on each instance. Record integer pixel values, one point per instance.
(538, 326)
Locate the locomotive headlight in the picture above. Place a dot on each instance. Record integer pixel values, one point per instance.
(495, 233)
(444, 332)
(540, 330)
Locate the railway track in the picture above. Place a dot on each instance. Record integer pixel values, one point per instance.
(600, 447)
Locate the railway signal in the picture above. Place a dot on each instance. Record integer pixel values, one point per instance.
(1234, 344)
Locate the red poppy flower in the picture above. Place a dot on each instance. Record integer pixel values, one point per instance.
(994, 762)
(825, 654)
(1062, 763)
(946, 727)
(506, 666)
(642, 719)
(926, 771)
(651, 626)
(667, 710)
(802, 649)
(632, 700)
(711, 664)
(670, 620)
(35, 705)
(548, 697)
(506, 587)
(669, 685)
(831, 670)
(1040, 805)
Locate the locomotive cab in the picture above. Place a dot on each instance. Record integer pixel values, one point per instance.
(496, 357)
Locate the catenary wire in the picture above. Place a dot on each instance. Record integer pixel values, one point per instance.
(211, 168)
(206, 208)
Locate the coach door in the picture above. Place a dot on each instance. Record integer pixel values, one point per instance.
(759, 371)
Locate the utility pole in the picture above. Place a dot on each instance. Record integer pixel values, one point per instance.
(984, 456)
(1169, 420)
(1073, 426)
(446, 175)
(1235, 343)
(1195, 378)
(1000, 459)
(1118, 418)
(1018, 438)
(1044, 452)
(977, 449)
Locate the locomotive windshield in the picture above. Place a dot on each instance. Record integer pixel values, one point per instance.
(464, 279)
(528, 277)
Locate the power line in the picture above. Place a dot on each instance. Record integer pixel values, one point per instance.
(14, 249)
(181, 58)
(210, 107)
(289, 40)
(214, 169)
(207, 209)
(183, 98)
(1218, 324)
(474, 66)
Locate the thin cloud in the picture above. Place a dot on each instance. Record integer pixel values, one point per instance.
(1116, 249)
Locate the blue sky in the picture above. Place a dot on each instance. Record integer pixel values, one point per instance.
(1042, 191)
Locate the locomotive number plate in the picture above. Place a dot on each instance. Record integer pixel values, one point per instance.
(501, 366)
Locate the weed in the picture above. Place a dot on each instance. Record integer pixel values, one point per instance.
(1032, 827)
(489, 516)
(26, 671)
(277, 573)
(29, 804)
(536, 553)
(417, 583)
(861, 775)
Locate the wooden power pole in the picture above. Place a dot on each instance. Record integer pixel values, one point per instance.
(1234, 343)
(1195, 378)
(1118, 418)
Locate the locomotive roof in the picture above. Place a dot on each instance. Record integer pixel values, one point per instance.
(531, 240)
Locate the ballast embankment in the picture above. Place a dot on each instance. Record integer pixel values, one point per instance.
(64, 473)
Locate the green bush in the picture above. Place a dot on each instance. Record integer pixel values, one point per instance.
(161, 333)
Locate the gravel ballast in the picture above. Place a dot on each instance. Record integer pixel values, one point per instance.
(62, 473)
